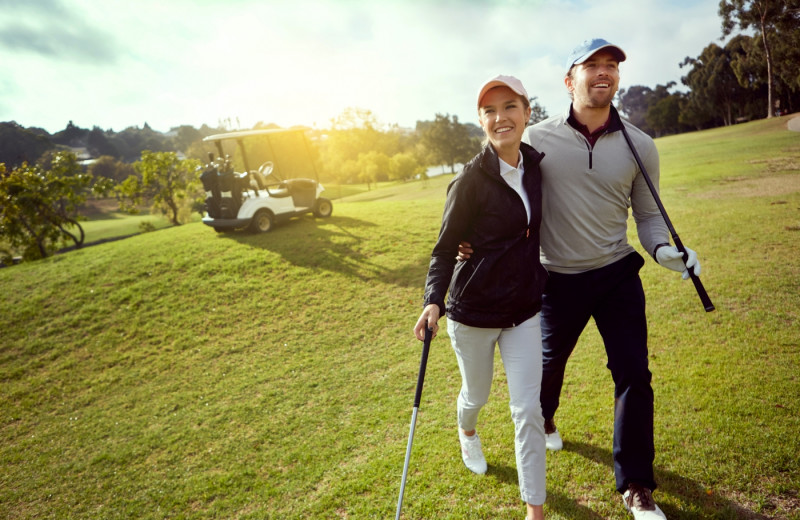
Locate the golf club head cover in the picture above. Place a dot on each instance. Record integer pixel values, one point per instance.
(671, 258)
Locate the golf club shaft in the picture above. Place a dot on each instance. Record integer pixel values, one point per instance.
(698, 285)
(405, 464)
(426, 346)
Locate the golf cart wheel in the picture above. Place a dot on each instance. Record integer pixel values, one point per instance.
(323, 208)
(262, 221)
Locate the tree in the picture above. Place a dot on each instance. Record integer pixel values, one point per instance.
(766, 16)
(348, 171)
(716, 94)
(372, 167)
(404, 166)
(19, 144)
(185, 136)
(634, 104)
(170, 183)
(725, 82)
(786, 55)
(746, 59)
(448, 141)
(39, 204)
(110, 168)
(71, 135)
(538, 113)
(133, 141)
(663, 116)
(352, 133)
(98, 143)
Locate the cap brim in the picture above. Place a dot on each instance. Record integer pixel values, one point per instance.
(619, 53)
(497, 83)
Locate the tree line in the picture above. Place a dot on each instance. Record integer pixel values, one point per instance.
(750, 77)
(43, 183)
(40, 199)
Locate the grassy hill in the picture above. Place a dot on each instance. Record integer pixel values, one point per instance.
(187, 374)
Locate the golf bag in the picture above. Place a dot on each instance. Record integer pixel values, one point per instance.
(210, 181)
(223, 189)
(230, 191)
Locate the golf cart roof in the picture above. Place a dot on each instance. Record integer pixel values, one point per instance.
(240, 135)
(247, 133)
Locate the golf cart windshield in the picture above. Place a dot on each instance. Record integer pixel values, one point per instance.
(287, 150)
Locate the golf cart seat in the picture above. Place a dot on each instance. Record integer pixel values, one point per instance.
(303, 191)
(259, 179)
(278, 189)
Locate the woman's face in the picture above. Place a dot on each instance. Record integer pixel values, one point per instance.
(503, 115)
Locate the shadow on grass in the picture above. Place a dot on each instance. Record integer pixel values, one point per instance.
(332, 244)
(557, 502)
(93, 243)
(700, 503)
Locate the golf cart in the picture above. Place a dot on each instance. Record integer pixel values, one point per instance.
(257, 199)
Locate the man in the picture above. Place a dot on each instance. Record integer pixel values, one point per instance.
(589, 180)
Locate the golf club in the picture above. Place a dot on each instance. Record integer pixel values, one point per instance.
(426, 345)
(698, 285)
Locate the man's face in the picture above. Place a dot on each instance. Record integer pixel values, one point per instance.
(594, 82)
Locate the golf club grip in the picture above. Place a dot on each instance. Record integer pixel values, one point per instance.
(426, 346)
(701, 291)
(698, 285)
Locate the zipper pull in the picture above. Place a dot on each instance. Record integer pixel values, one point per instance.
(528, 233)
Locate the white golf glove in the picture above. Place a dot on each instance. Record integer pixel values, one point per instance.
(671, 258)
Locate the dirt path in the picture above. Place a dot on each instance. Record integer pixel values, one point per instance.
(794, 123)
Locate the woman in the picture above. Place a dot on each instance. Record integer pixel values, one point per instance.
(495, 296)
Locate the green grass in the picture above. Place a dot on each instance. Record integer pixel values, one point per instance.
(118, 224)
(106, 222)
(188, 374)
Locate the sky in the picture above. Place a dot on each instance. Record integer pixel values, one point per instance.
(119, 63)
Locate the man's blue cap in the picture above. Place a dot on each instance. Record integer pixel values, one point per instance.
(585, 50)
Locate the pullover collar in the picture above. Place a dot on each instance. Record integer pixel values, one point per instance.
(612, 124)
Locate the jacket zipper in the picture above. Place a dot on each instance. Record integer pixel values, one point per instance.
(528, 220)
(474, 272)
(589, 148)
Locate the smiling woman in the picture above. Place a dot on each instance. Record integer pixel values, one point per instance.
(494, 297)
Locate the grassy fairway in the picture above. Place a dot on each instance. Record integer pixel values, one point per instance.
(188, 374)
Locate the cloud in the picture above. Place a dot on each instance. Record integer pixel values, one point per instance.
(47, 7)
(48, 29)
(171, 62)
(56, 42)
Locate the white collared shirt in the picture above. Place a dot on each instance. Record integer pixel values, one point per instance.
(513, 177)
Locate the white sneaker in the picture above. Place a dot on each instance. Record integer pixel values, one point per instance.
(639, 501)
(471, 453)
(553, 442)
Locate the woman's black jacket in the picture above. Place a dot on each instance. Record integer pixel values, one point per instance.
(502, 282)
